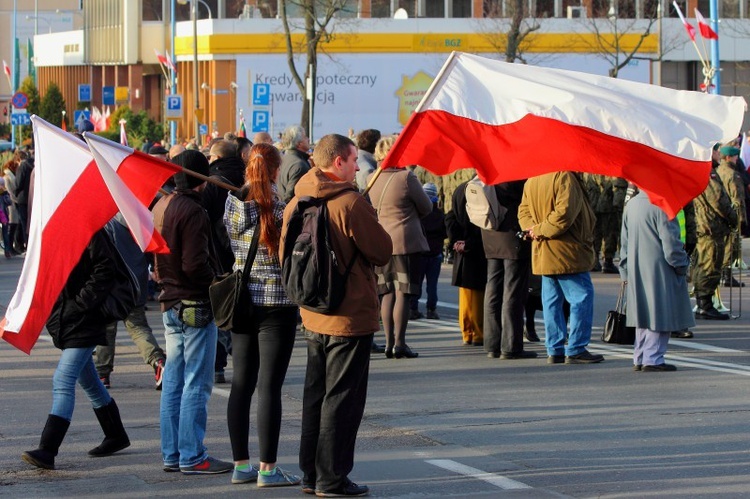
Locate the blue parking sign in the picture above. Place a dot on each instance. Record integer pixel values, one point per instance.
(108, 96)
(84, 92)
(203, 129)
(261, 94)
(260, 121)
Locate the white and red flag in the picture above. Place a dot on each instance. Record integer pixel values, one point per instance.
(123, 133)
(688, 26)
(6, 70)
(161, 58)
(706, 31)
(74, 196)
(170, 63)
(513, 121)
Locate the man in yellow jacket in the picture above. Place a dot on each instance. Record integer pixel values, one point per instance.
(556, 215)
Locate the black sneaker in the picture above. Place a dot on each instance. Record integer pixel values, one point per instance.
(584, 357)
(349, 489)
(219, 377)
(518, 355)
(659, 368)
(555, 359)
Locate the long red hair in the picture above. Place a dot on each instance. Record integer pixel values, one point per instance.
(260, 172)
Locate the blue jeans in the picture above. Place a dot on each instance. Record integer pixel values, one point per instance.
(187, 385)
(578, 290)
(76, 364)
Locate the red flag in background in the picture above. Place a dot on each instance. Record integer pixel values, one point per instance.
(513, 121)
(705, 28)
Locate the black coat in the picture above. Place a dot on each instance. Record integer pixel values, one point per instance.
(75, 321)
(470, 267)
(503, 243)
(232, 171)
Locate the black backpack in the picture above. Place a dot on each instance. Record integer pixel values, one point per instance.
(309, 269)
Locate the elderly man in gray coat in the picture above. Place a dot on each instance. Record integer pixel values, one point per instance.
(653, 263)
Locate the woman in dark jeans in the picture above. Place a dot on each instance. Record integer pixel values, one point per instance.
(261, 354)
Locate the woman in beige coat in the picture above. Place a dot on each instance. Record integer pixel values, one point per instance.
(400, 201)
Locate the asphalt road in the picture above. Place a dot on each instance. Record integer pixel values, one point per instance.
(450, 423)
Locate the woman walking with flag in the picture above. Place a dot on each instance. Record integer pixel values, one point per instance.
(77, 325)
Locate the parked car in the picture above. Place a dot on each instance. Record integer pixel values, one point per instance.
(5, 145)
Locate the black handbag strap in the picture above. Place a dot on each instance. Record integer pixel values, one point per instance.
(251, 255)
(620, 307)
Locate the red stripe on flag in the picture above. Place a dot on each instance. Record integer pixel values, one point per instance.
(64, 238)
(138, 172)
(443, 143)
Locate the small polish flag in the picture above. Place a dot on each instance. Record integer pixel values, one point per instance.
(705, 29)
(170, 63)
(123, 133)
(688, 26)
(6, 69)
(161, 58)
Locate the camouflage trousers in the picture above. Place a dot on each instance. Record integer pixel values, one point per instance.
(708, 260)
(732, 250)
(607, 229)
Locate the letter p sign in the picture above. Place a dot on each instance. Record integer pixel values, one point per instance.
(261, 94)
(260, 121)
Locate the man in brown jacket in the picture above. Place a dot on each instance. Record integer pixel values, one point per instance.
(338, 344)
(556, 213)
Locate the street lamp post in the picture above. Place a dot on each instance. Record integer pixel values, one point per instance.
(36, 21)
(194, 19)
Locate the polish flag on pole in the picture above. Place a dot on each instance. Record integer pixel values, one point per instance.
(513, 121)
(170, 63)
(688, 26)
(705, 28)
(6, 70)
(162, 59)
(123, 133)
(73, 198)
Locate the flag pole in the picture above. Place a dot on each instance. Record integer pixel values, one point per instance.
(438, 79)
(210, 180)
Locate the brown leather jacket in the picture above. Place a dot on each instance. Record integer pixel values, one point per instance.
(354, 226)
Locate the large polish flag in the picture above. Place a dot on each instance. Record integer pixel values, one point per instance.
(73, 198)
(513, 121)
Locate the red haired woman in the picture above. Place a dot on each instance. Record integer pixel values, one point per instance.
(261, 354)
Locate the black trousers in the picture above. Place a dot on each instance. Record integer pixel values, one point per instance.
(260, 357)
(332, 406)
(504, 303)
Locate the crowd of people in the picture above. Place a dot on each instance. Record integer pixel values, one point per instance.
(394, 231)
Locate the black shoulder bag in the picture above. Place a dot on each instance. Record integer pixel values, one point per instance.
(231, 302)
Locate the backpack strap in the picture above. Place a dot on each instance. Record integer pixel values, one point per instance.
(382, 194)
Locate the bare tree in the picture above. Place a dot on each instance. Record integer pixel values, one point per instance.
(611, 31)
(508, 32)
(317, 17)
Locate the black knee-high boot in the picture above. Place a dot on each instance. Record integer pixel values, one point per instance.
(52, 436)
(115, 437)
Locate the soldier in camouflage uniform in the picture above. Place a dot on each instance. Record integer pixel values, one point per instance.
(715, 220)
(451, 181)
(607, 198)
(735, 188)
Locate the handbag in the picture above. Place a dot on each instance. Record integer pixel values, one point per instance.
(615, 330)
(231, 302)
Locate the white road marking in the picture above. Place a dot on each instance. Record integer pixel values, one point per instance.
(491, 478)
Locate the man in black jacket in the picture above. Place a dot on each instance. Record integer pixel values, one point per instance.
(508, 265)
(227, 166)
